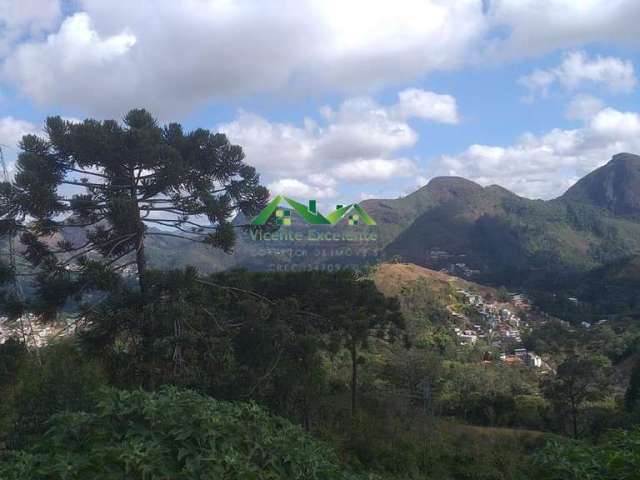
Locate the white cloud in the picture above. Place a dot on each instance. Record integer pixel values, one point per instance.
(30, 17)
(359, 136)
(279, 148)
(611, 125)
(296, 188)
(358, 142)
(583, 106)
(545, 166)
(13, 129)
(322, 179)
(418, 103)
(376, 169)
(190, 52)
(362, 128)
(539, 81)
(536, 27)
(11, 132)
(74, 66)
(578, 70)
(171, 56)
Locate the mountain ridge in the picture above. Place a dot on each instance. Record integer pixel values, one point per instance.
(614, 186)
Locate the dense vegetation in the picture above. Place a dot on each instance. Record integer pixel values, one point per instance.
(171, 434)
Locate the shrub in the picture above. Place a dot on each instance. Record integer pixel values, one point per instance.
(172, 434)
(616, 458)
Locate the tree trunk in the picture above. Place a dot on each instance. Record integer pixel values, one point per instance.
(574, 418)
(354, 379)
(141, 262)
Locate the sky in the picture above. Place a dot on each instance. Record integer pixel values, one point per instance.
(343, 100)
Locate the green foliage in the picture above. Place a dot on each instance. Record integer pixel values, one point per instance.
(410, 445)
(55, 379)
(579, 379)
(172, 434)
(140, 181)
(615, 458)
(488, 394)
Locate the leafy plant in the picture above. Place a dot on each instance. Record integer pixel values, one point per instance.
(172, 434)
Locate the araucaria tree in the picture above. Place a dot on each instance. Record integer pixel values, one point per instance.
(87, 196)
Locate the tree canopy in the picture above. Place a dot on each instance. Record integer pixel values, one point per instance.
(87, 195)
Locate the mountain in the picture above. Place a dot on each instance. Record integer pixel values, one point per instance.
(496, 236)
(394, 216)
(614, 186)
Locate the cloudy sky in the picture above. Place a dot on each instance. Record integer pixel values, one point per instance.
(341, 100)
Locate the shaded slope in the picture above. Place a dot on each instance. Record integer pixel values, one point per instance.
(614, 186)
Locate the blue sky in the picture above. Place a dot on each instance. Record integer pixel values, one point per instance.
(345, 100)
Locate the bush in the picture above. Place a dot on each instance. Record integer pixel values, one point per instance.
(55, 379)
(172, 434)
(617, 458)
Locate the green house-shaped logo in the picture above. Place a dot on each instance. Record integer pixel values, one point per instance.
(310, 214)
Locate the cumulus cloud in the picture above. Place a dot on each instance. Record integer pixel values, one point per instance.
(174, 56)
(171, 56)
(376, 169)
(578, 70)
(544, 166)
(74, 66)
(30, 17)
(583, 106)
(535, 27)
(418, 103)
(297, 188)
(359, 141)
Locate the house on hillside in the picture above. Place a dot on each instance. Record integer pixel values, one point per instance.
(533, 360)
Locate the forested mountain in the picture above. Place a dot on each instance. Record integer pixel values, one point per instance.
(614, 186)
(507, 239)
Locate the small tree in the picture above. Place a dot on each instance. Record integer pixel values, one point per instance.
(579, 379)
(85, 196)
(359, 312)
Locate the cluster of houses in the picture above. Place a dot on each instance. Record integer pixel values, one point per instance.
(500, 327)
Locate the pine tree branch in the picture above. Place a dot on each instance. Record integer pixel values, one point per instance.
(165, 223)
(88, 173)
(181, 237)
(103, 186)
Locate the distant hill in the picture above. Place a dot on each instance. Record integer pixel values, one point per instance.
(507, 239)
(614, 186)
(391, 278)
(394, 216)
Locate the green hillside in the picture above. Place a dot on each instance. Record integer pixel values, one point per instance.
(613, 186)
(513, 240)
